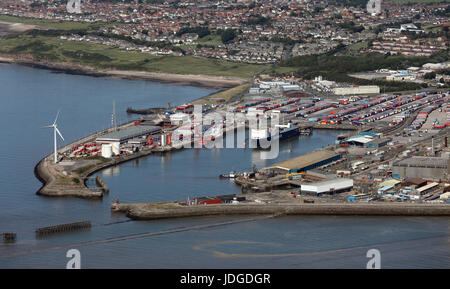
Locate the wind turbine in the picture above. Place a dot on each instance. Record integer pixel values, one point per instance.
(55, 130)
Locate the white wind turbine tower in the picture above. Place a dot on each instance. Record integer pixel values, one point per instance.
(55, 130)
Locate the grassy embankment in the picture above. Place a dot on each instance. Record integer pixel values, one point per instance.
(226, 95)
(100, 56)
(48, 46)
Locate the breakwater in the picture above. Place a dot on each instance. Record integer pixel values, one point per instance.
(63, 228)
(100, 183)
(149, 211)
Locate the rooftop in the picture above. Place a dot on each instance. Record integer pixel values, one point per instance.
(128, 133)
(428, 162)
(306, 160)
(390, 182)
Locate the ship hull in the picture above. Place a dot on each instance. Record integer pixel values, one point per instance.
(284, 135)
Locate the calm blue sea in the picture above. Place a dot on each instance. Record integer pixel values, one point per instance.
(30, 98)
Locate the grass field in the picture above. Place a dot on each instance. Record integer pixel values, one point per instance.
(227, 95)
(104, 57)
(354, 48)
(212, 39)
(283, 69)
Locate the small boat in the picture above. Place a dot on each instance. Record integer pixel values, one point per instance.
(342, 136)
(231, 175)
(306, 131)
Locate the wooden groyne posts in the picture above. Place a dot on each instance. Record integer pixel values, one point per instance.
(9, 237)
(63, 228)
(102, 184)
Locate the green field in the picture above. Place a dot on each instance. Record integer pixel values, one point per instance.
(212, 39)
(283, 69)
(354, 48)
(105, 57)
(227, 95)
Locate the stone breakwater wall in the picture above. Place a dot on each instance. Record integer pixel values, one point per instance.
(148, 211)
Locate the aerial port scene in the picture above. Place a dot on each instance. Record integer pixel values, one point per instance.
(234, 134)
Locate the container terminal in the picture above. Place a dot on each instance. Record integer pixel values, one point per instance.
(395, 153)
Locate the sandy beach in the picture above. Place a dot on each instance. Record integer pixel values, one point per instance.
(207, 81)
(183, 79)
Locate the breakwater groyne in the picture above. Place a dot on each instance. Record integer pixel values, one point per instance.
(150, 211)
(63, 228)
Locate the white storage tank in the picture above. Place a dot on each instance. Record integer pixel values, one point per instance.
(107, 150)
(116, 148)
(163, 140)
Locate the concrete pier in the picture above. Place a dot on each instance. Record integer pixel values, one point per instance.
(150, 211)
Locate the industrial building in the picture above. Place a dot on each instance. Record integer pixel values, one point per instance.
(126, 134)
(305, 162)
(333, 186)
(179, 118)
(423, 167)
(352, 90)
(367, 139)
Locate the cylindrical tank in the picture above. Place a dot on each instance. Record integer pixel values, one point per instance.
(163, 140)
(116, 148)
(106, 150)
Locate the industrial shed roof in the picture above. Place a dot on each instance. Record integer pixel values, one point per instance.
(305, 160)
(426, 162)
(128, 133)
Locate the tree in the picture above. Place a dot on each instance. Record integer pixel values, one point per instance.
(228, 35)
(430, 75)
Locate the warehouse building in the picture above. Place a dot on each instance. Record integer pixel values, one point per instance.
(423, 167)
(129, 133)
(367, 139)
(427, 188)
(333, 186)
(352, 90)
(304, 162)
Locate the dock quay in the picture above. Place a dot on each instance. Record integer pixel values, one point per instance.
(146, 111)
(152, 211)
(366, 141)
(68, 178)
(318, 125)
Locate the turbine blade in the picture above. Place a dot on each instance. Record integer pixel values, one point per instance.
(48, 126)
(57, 130)
(57, 115)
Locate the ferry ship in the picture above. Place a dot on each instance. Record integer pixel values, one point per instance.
(285, 131)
